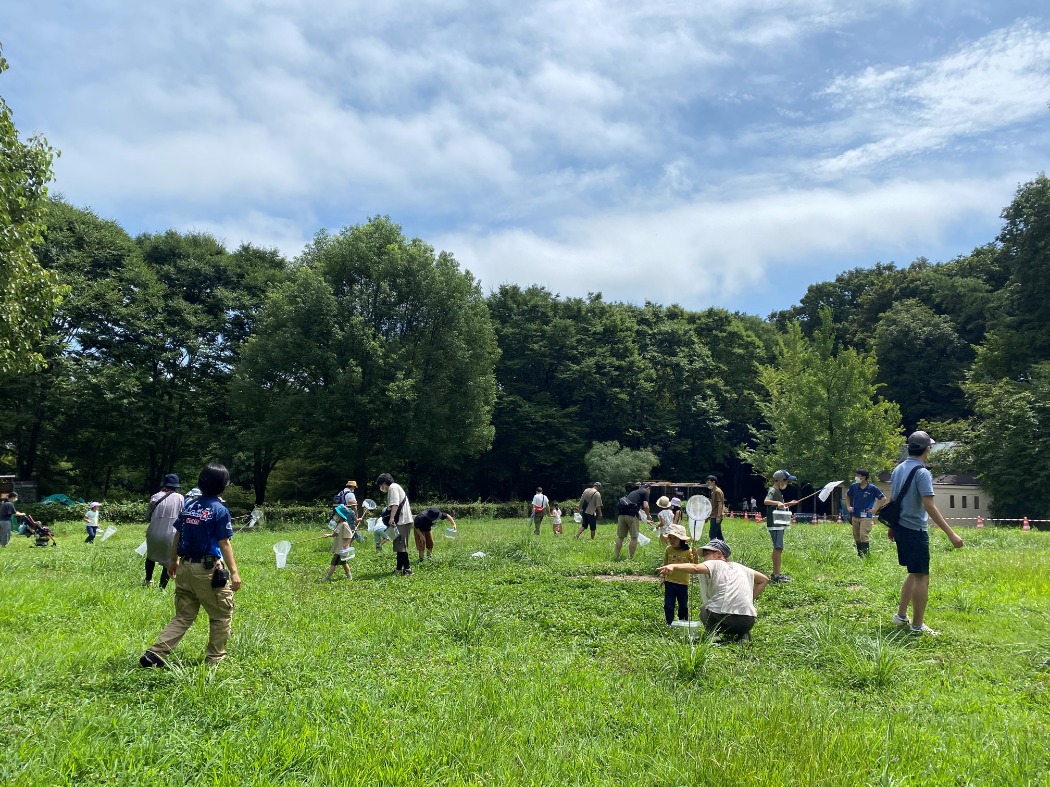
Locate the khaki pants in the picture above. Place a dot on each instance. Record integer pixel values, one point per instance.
(861, 528)
(193, 590)
(627, 525)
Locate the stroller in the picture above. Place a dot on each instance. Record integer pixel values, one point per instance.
(30, 528)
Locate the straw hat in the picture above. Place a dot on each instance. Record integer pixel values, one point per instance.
(663, 502)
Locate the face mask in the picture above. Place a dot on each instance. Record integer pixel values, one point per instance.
(858, 479)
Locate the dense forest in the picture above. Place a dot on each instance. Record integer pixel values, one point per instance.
(370, 352)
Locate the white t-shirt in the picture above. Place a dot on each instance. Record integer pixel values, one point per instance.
(395, 495)
(539, 501)
(556, 516)
(729, 589)
(666, 520)
(91, 518)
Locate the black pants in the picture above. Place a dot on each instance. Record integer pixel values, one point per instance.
(733, 625)
(163, 572)
(673, 592)
(715, 530)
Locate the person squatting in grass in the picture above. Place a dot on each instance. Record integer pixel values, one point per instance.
(91, 522)
(590, 508)
(774, 501)
(423, 526)
(204, 569)
(676, 583)
(718, 505)
(629, 509)
(164, 508)
(864, 501)
(400, 520)
(911, 535)
(342, 536)
(727, 591)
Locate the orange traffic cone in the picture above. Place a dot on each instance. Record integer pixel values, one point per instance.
(1026, 526)
(980, 523)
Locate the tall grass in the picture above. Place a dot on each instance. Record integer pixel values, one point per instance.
(523, 668)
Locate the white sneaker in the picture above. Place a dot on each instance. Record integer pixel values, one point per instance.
(924, 629)
(900, 620)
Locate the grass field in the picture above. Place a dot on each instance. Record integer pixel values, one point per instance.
(528, 666)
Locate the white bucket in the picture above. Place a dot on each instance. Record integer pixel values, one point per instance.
(109, 531)
(643, 539)
(451, 532)
(141, 549)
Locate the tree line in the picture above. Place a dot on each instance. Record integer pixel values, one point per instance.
(124, 358)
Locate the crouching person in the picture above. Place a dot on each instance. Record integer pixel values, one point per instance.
(204, 570)
(727, 590)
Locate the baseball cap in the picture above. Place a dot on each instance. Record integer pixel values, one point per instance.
(920, 440)
(716, 545)
(597, 484)
(783, 475)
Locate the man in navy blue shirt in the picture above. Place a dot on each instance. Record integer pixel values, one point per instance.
(911, 534)
(864, 501)
(204, 570)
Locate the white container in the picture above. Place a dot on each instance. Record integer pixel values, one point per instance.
(782, 518)
(577, 517)
(141, 549)
(690, 629)
(347, 553)
(451, 532)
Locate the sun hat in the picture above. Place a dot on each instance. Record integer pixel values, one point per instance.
(96, 503)
(663, 502)
(678, 530)
(676, 501)
(171, 480)
(716, 545)
(352, 483)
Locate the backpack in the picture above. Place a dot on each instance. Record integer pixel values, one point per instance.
(890, 514)
(337, 498)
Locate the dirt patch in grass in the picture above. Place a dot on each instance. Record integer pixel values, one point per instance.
(625, 578)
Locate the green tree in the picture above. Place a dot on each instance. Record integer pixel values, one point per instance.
(30, 293)
(617, 466)
(824, 413)
(922, 363)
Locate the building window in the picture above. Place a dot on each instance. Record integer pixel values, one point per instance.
(964, 501)
(976, 502)
(951, 501)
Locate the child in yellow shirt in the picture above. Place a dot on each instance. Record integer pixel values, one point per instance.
(676, 583)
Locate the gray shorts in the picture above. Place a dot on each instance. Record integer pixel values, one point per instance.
(778, 538)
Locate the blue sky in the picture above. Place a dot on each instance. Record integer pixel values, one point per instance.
(727, 152)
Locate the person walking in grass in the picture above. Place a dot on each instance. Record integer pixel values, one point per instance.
(728, 591)
(676, 583)
(400, 520)
(91, 522)
(629, 510)
(342, 536)
(8, 512)
(864, 501)
(718, 505)
(540, 505)
(164, 508)
(423, 527)
(911, 534)
(664, 518)
(775, 501)
(590, 508)
(204, 569)
(556, 518)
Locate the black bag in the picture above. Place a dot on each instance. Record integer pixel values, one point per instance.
(625, 507)
(890, 514)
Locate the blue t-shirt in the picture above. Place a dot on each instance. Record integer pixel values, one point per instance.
(913, 514)
(864, 498)
(201, 525)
